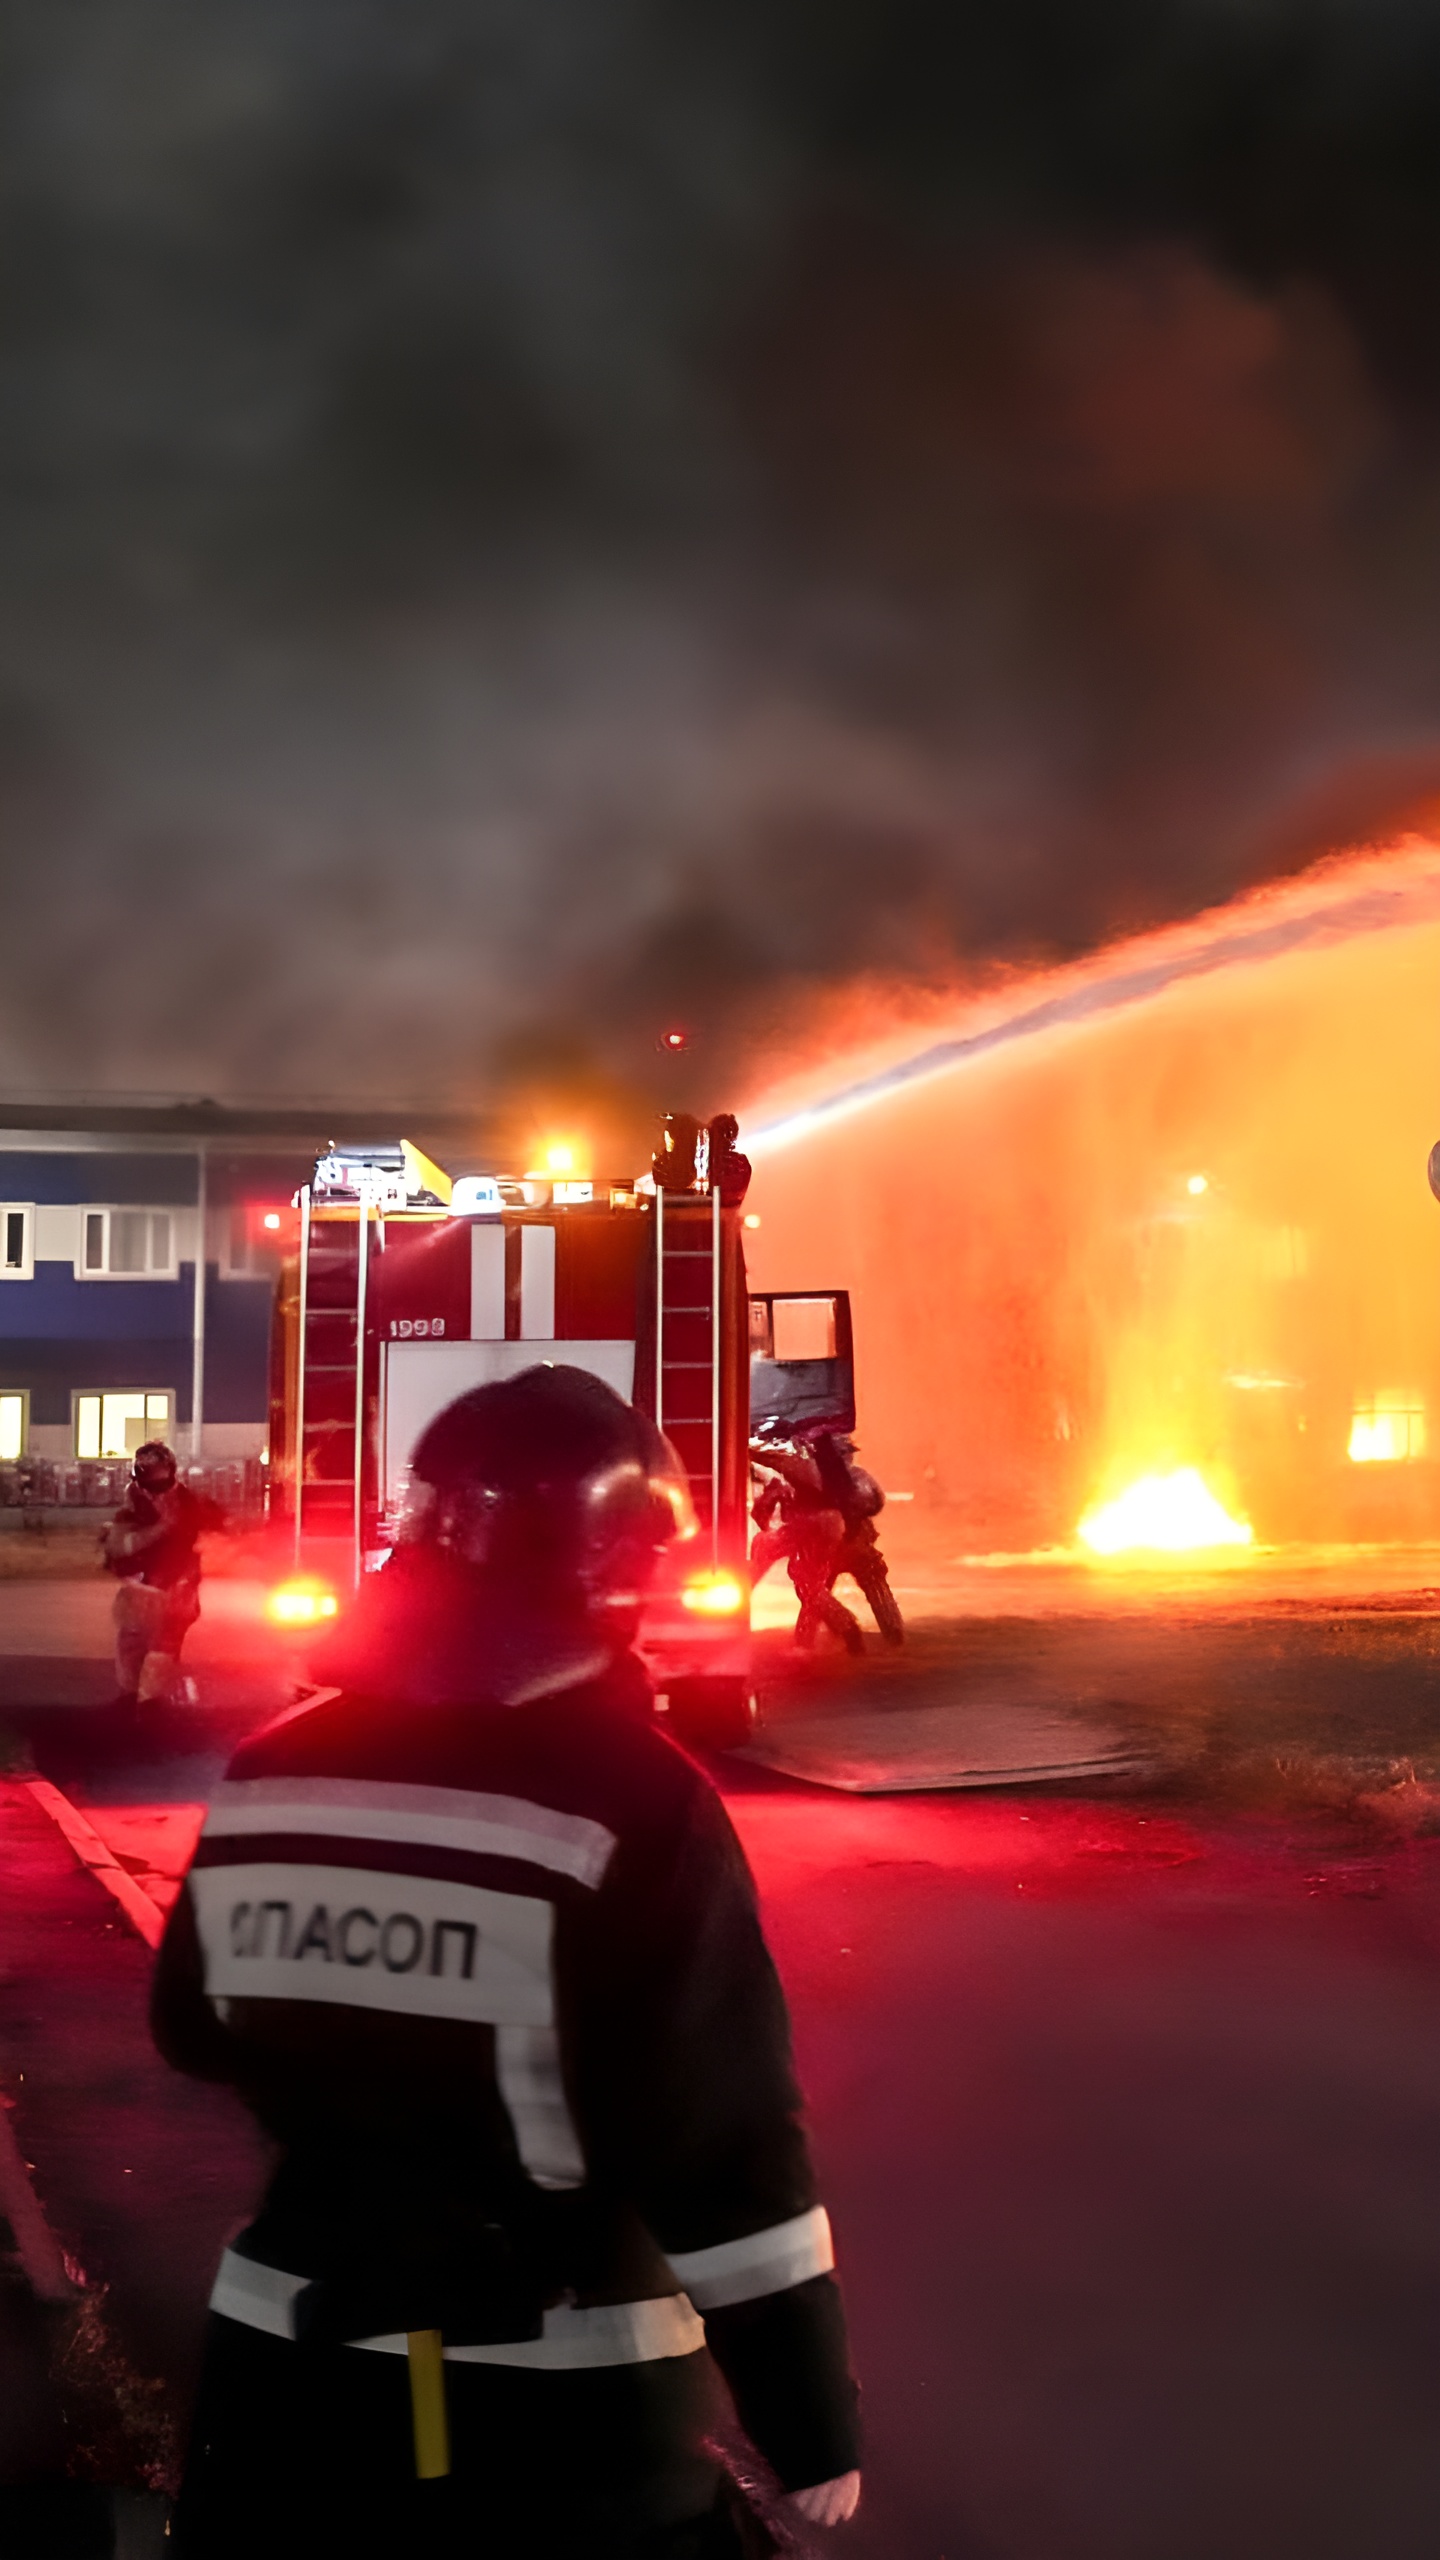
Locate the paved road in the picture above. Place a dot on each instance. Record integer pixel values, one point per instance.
(1131, 2128)
(1129, 2119)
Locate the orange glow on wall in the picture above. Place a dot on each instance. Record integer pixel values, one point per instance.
(1187, 1228)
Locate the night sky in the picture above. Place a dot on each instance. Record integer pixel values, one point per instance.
(525, 522)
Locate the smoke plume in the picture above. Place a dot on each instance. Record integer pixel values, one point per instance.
(520, 526)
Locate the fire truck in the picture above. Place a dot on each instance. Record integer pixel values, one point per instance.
(406, 1288)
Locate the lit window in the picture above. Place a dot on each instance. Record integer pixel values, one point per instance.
(1388, 1431)
(803, 1328)
(113, 1425)
(17, 1240)
(129, 1244)
(12, 1424)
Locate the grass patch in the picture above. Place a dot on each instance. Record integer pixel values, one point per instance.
(1327, 1711)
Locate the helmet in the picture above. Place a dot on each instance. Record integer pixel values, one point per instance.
(153, 1466)
(552, 1487)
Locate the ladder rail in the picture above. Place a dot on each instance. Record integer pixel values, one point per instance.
(715, 1378)
(362, 1275)
(659, 1307)
(703, 1301)
(301, 1349)
(352, 1368)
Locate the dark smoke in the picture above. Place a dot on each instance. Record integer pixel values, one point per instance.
(524, 523)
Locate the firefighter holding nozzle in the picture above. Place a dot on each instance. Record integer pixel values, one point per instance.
(816, 1508)
(478, 1946)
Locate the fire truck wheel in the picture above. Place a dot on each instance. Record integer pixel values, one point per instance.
(715, 1714)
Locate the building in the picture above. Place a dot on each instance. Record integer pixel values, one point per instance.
(116, 1324)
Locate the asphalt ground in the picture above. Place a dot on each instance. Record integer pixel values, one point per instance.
(1126, 2098)
(137, 2175)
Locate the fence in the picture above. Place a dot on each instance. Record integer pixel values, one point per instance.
(238, 1485)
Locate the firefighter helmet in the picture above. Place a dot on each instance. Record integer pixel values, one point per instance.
(153, 1466)
(550, 1481)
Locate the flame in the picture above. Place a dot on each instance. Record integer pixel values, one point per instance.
(1168, 1514)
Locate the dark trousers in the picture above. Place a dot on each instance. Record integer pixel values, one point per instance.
(301, 2454)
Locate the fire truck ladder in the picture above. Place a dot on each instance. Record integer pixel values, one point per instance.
(688, 1268)
(330, 1377)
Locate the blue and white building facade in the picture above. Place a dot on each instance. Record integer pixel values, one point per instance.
(139, 1252)
(106, 1336)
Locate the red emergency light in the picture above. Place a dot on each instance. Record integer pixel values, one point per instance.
(713, 1595)
(303, 1601)
(268, 1225)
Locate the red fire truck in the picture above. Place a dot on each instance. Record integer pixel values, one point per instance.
(406, 1289)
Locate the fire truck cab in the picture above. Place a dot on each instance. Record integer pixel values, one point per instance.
(406, 1289)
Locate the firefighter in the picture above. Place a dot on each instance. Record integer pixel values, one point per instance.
(727, 1171)
(817, 1510)
(673, 1165)
(857, 1497)
(796, 1519)
(479, 1948)
(152, 1546)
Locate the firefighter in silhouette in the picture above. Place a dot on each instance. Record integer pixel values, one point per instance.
(796, 1522)
(674, 1163)
(690, 1156)
(728, 1171)
(816, 1508)
(152, 1547)
(479, 1947)
(859, 1500)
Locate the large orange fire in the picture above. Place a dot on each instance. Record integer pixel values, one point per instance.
(1164, 1515)
(1145, 1245)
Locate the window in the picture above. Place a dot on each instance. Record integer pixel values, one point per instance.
(1389, 1432)
(113, 1425)
(17, 1240)
(128, 1244)
(803, 1329)
(14, 1418)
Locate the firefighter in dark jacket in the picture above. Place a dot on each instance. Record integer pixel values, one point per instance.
(151, 1545)
(480, 1949)
(816, 1507)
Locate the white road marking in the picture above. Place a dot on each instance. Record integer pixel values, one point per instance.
(143, 1914)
